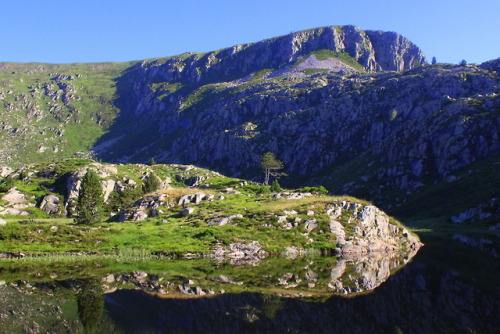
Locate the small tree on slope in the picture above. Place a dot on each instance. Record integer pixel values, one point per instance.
(151, 183)
(269, 165)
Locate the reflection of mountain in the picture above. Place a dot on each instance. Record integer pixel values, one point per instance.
(421, 297)
(415, 300)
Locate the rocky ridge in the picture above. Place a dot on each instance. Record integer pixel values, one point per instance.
(375, 51)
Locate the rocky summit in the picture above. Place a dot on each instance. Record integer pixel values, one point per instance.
(360, 112)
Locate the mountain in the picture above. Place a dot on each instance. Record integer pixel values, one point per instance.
(357, 111)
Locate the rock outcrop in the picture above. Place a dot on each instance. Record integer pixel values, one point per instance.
(369, 230)
(375, 51)
(17, 203)
(51, 204)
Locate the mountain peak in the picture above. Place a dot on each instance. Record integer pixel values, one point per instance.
(370, 51)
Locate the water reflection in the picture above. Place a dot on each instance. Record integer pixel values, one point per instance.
(90, 304)
(277, 296)
(302, 277)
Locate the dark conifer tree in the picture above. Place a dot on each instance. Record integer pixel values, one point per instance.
(90, 199)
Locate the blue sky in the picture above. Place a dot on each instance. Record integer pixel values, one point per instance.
(67, 31)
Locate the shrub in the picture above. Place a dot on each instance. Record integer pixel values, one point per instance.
(256, 189)
(315, 190)
(119, 201)
(151, 183)
(6, 184)
(275, 186)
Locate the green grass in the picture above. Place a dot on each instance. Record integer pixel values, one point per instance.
(310, 71)
(343, 56)
(58, 107)
(260, 74)
(177, 235)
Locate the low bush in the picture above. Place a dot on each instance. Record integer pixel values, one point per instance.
(314, 190)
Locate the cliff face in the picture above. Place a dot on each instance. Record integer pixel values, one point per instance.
(375, 50)
(397, 130)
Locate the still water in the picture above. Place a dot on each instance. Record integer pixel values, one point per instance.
(437, 290)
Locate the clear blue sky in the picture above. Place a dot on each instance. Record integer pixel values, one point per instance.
(66, 31)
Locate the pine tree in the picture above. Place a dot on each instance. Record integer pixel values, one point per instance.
(269, 164)
(90, 199)
(151, 183)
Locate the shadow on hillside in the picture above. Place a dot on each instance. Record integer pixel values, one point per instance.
(129, 131)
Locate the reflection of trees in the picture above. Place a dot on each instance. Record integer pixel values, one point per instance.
(90, 305)
(271, 305)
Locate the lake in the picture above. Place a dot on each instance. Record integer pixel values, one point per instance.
(444, 288)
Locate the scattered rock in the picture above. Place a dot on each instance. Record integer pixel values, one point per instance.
(187, 282)
(187, 211)
(224, 220)
(310, 225)
(195, 198)
(16, 203)
(5, 171)
(196, 291)
(51, 204)
(109, 279)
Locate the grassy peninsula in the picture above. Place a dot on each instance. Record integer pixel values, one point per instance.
(194, 212)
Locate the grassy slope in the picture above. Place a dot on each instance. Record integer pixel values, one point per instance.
(170, 232)
(49, 105)
(341, 56)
